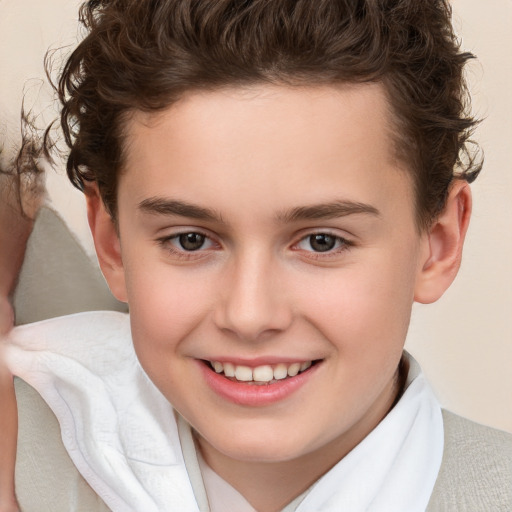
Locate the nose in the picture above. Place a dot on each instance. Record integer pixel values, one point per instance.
(253, 303)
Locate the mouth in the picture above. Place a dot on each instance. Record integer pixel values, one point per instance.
(260, 375)
(261, 385)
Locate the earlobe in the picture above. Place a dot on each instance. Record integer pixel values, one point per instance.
(106, 242)
(445, 241)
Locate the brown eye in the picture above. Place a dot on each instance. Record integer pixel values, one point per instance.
(191, 241)
(322, 242)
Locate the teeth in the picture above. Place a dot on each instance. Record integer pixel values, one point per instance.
(293, 369)
(243, 373)
(303, 366)
(280, 371)
(265, 373)
(229, 369)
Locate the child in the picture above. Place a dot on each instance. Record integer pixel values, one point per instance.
(270, 187)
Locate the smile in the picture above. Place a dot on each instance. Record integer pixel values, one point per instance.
(261, 385)
(260, 374)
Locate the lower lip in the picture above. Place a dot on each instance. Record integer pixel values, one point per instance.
(255, 394)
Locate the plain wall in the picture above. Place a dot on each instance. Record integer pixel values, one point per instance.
(464, 341)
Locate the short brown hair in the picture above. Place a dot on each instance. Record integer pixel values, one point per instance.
(145, 54)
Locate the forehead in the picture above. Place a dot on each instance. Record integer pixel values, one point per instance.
(265, 144)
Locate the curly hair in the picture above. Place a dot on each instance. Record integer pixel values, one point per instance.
(145, 54)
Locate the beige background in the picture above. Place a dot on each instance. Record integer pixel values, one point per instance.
(464, 342)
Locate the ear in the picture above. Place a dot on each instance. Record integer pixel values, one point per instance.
(444, 242)
(107, 243)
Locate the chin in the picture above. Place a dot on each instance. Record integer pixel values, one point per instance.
(259, 445)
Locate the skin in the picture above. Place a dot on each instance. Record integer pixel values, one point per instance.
(254, 158)
(14, 232)
(15, 229)
(9, 429)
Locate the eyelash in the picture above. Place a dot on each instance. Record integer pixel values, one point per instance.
(341, 245)
(166, 244)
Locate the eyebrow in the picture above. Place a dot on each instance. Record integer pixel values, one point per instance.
(331, 210)
(162, 206)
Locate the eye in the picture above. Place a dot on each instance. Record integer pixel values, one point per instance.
(187, 242)
(322, 242)
(190, 241)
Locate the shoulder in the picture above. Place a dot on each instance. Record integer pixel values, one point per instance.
(46, 478)
(476, 471)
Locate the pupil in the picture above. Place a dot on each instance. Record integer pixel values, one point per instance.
(322, 242)
(191, 241)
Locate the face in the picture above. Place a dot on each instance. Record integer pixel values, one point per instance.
(270, 257)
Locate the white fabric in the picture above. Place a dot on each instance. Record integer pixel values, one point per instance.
(119, 430)
(395, 467)
(121, 433)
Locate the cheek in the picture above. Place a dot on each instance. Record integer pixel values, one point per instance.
(165, 307)
(365, 307)
(164, 311)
